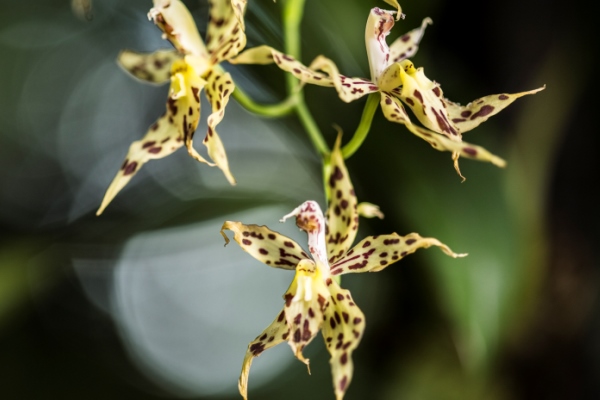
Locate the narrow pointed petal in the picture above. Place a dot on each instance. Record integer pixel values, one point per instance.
(375, 253)
(275, 333)
(218, 89)
(148, 67)
(225, 36)
(309, 218)
(349, 89)
(267, 246)
(478, 111)
(342, 215)
(368, 210)
(265, 55)
(394, 111)
(305, 301)
(168, 133)
(425, 98)
(407, 45)
(379, 24)
(162, 139)
(178, 26)
(342, 330)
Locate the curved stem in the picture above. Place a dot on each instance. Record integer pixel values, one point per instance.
(363, 127)
(293, 11)
(311, 126)
(266, 110)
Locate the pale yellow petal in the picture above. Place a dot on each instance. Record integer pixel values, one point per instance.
(162, 139)
(478, 111)
(275, 333)
(369, 210)
(218, 90)
(305, 300)
(425, 98)
(407, 45)
(394, 111)
(375, 253)
(168, 133)
(265, 245)
(178, 26)
(342, 215)
(264, 55)
(342, 330)
(225, 36)
(148, 67)
(349, 89)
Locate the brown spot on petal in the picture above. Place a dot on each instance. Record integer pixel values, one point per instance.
(483, 111)
(344, 359)
(130, 168)
(257, 348)
(418, 95)
(343, 383)
(470, 151)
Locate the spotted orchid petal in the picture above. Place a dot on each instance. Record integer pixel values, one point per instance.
(375, 253)
(148, 67)
(379, 24)
(394, 111)
(178, 26)
(478, 111)
(265, 245)
(407, 45)
(425, 98)
(349, 89)
(342, 330)
(305, 301)
(275, 333)
(168, 133)
(342, 215)
(225, 36)
(218, 89)
(265, 55)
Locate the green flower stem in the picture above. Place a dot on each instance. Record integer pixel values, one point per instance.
(266, 110)
(363, 127)
(293, 11)
(311, 126)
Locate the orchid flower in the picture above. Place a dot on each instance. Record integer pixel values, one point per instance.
(399, 83)
(191, 67)
(315, 301)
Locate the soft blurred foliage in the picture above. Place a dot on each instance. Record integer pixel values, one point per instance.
(144, 302)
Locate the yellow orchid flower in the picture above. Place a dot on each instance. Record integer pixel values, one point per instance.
(399, 83)
(191, 67)
(314, 301)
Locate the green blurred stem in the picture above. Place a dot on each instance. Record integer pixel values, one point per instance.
(363, 127)
(266, 110)
(293, 11)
